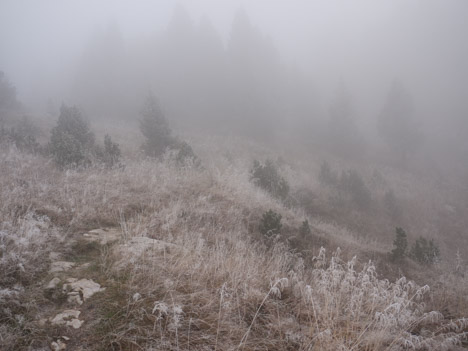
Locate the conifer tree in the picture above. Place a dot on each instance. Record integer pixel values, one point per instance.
(154, 128)
(71, 142)
(400, 245)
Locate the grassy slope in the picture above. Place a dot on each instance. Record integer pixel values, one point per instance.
(230, 288)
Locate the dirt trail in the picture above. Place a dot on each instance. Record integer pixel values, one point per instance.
(73, 289)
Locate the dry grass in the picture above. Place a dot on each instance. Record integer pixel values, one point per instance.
(224, 286)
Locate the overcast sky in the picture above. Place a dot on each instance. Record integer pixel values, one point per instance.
(368, 42)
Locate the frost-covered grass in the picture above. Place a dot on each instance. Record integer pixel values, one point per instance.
(226, 290)
(227, 287)
(232, 294)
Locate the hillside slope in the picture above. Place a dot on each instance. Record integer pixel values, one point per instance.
(216, 282)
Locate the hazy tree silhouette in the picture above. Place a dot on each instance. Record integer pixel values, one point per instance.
(396, 123)
(175, 68)
(255, 85)
(343, 132)
(103, 85)
(154, 128)
(8, 99)
(209, 63)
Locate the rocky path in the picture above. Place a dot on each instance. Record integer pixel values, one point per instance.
(73, 282)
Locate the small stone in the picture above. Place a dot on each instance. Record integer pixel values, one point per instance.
(66, 338)
(136, 297)
(58, 345)
(53, 283)
(85, 287)
(75, 323)
(68, 318)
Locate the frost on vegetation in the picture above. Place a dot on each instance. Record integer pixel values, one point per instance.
(171, 315)
(158, 135)
(267, 177)
(270, 224)
(23, 244)
(334, 305)
(340, 297)
(21, 248)
(73, 145)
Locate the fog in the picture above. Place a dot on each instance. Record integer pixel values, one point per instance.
(262, 67)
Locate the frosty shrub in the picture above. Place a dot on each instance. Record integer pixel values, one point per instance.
(184, 153)
(71, 142)
(400, 244)
(267, 177)
(23, 136)
(424, 251)
(271, 223)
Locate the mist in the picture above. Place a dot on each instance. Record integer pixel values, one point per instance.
(259, 67)
(298, 51)
(233, 175)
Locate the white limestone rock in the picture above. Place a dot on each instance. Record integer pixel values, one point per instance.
(58, 345)
(68, 318)
(53, 283)
(81, 290)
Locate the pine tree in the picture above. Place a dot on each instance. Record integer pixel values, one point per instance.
(425, 251)
(71, 142)
(112, 152)
(400, 245)
(154, 128)
(267, 177)
(8, 99)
